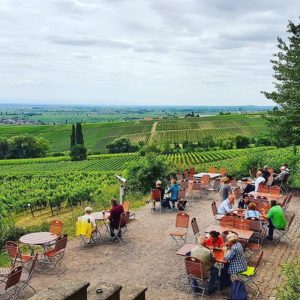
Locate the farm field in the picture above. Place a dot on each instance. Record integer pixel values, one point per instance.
(98, 135)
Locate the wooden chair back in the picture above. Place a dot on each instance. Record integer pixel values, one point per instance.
(205, 179)
(182, 220)
(56, 227)
(126, 206)
(124, 219)
(212, 169)
(261, 254)
(12, 250)
(61, 243)
(223, 171)
(193, 267)
(255, 224)
(241, 223)
(227, 221)
(195, 227)
(181, 194)
(13, 277)
(196, 186)
(184, 184)
(274, 190)
(155, 195)
(214, 208)
(263, 188)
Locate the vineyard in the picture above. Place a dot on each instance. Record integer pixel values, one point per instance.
(98, 135)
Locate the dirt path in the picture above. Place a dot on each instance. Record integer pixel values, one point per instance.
(152, 132)
(147, 257)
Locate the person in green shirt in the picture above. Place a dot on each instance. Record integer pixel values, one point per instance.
(276, 219)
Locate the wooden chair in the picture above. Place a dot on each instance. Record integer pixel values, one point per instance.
(263, 188)
(215, 211)
(53, 257)
(126, 207)
(212, 169)
(194, 272)
(156, 197)
(182, 224)
(284, 233)
(223, 171)
(9, 284)
(181, 203)
(84, 230)
(16, 256)
(56, 227)
(205, 182)
(122, 229)
(195, 192)
(274, 190)
(184, 184)
(228, 221)
(286, 203)
(241, 223)
(195, 229)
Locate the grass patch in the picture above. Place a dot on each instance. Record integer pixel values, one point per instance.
(4, 259)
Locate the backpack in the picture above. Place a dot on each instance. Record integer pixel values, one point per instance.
(165, 203)
(238, 291)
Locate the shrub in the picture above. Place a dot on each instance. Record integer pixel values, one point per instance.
(121, 145)
(78, 152)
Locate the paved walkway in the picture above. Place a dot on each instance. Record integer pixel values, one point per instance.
(147, 258)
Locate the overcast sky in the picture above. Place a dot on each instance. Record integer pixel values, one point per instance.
(172, 52)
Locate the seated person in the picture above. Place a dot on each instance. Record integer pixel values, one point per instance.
(265, 173)
(244, 203)
(214, 240)
(252, 212)
(208, 269)
(115, 215)
(281, 176)
(174, 190)
(89, 217)
(226, 206)
(235, 256)
(161, 189)
(250, 187)
(276, 219)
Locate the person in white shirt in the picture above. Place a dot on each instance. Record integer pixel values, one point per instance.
(259, 179)
(226, 206)
(89, 217)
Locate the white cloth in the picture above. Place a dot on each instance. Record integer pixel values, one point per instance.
(258, 181)
(87, 217)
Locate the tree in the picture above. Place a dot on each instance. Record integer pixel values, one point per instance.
(79, 135)
(143, 174)
(285, 121)
(78, 152)
(121, 145)
(72, 136)
(242, 142)
(3, 148)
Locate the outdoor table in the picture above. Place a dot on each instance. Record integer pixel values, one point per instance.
(242, 233)
(102, 216)
(269, 196)
(218, 254)
(211, 175)
(38, 238)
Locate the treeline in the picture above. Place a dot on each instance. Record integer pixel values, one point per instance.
(23, 147)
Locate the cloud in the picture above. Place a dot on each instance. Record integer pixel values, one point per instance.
(140, 51)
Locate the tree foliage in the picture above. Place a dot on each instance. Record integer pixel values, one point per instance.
(242, 142)
(78, 152)
(142, 175)
(121, 145)
(285, 121)
(79, 135)
(72, 136)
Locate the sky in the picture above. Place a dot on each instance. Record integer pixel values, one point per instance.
(147, 52)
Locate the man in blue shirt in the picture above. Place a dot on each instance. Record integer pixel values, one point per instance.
(226, 206)
(174, 190)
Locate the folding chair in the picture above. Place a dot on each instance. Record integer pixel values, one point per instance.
(156, 197)
(194, 272)
(249, 275)
(16, 256)
(205, 182)
(182, 224)
(122, 228)
(263, 188)
(126, 207)
(195, 190)
(214, 209)
(184, 184)
(228, 221)
(181, 203)
(56, 227)
(9, 284)
(84, 229)
(212, 169)
(223, 171)
(54, 256)
(284, 233)
(286, 203)
(195, 229)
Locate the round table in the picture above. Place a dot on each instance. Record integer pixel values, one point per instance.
(38, 238)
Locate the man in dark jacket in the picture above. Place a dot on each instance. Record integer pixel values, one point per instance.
(115, 216)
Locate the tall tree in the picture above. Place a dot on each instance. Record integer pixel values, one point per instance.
(72, 136)
(285, 121)
(78, 134)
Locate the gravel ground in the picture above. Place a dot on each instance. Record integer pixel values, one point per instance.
(148, 256)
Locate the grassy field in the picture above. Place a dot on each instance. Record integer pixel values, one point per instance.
(98, 135)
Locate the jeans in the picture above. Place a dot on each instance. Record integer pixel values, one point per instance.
(271, 229)
(214, 275)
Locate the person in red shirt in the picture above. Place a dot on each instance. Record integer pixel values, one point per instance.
(115, 215)
(214, 240)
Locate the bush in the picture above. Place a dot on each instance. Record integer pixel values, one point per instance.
(121, 145)
(78, 152)
(291, 288)
(57, 154)
(142, 174)
(242, 142)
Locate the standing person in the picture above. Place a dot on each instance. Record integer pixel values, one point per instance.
(162, 192)
(276, 219)
(174, 190)
(226, 187)
(115, 215)
(235, 256)
(226, 206)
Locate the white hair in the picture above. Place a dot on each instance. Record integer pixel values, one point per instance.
(88, 209)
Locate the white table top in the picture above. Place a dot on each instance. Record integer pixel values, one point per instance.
(211, 175)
